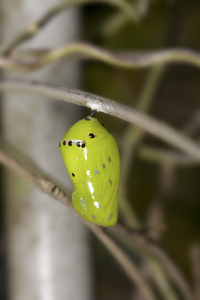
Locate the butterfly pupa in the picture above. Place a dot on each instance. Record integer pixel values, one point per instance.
(91, 156)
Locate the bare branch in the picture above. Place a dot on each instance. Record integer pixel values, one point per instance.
(159, 253)
(45, 185)
(134, 135)
(34, 28)
(160, 156)
(125, 261)
(193, 125)
(120, 59)
(100, 104)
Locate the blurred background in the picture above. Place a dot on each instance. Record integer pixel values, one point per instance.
(158, 189)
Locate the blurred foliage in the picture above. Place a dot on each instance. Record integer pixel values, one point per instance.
(167, 24)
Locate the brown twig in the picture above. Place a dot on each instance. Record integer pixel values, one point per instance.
(158, 156)
(128, 60)
(45, 185)
(34, 28)
(142, 237)
(49, 187)
(113, 108)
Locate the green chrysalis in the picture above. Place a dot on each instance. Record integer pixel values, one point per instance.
(91, 157)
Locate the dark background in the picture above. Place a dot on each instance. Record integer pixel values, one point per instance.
(167, 24)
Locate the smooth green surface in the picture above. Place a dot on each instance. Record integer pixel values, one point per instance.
(93, 164)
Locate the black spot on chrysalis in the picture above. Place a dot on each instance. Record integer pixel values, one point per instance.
(91, 135)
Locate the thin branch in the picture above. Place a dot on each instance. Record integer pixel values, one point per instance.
(34, 28)
(100, 104)
(193, 125)
(136, 276)
(131, 138)
(159, 253)
(175, 274)
(120, 59)
(159, 156)
(133, 135)
(113, 23)
(45, 185)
